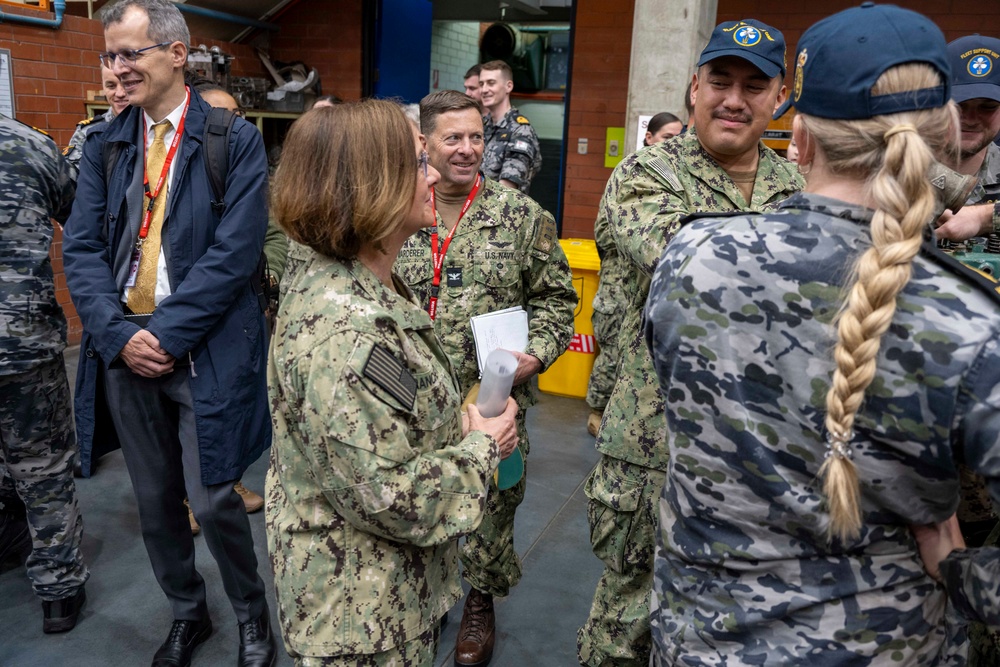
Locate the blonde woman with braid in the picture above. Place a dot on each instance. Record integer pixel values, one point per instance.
(825, 370)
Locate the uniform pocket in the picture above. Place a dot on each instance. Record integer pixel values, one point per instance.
(498, 268)
(611, 513)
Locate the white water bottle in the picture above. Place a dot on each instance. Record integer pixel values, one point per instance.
(494, 388)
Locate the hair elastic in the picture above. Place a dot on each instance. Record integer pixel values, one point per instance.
(839, 444)
(903, 127)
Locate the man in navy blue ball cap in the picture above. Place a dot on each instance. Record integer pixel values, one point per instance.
(975, 66)
(735, 90)
(720, 164)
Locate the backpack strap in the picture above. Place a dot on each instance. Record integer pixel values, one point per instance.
(218, 129)
(110, 152)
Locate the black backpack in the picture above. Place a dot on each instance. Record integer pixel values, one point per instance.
(215, 144)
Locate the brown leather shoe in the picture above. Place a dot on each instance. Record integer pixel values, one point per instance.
(251, 500)
(474, 645)
(594, 422)
(195, 528)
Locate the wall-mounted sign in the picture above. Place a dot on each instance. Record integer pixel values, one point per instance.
(6, 84)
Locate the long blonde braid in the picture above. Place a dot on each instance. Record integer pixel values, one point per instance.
(894, 153)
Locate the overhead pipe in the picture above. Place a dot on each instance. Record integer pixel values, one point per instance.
(222, 16)
(58, 5)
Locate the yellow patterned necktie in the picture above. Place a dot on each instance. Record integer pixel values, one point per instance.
(141, 297)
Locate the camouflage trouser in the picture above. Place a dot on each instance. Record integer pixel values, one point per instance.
(489, 560)
(979, 527)
(623, 520)
(37, 449)
(419, 652)
(605, 372)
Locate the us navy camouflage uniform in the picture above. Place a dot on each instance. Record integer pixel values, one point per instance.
(370, 483)
(37, 440)
(606, 320)
(975, 511)
(646, 197)
(740, 325)
(504, 254)
(987, 189)
(86, 127)
(511, 152)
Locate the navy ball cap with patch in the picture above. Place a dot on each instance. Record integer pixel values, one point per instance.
(840, 58)
(751, 40)
(975, 66)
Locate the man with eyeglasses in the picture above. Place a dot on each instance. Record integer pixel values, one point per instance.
(493, 248)
(172, 362)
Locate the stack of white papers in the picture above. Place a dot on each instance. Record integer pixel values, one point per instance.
(506, 329)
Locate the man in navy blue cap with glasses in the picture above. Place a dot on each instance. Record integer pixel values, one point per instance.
(720, 164)
(975, 66)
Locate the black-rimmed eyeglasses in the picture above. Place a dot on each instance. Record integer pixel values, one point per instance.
(128, 57)
(422, 162)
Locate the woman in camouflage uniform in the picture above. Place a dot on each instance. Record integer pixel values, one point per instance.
(825, 370)
(373, 476)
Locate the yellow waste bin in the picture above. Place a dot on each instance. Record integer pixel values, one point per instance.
(569, 375)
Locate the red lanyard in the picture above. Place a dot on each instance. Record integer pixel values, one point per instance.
(437, 259)
(147, 217)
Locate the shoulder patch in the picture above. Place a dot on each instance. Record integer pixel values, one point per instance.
(36, 129)
(522, 120)
(663, 169)
(987, 284)
(87, 121)
(546, 236)
(388, 372)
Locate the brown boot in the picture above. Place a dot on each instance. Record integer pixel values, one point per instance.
(195, 528)
(594, 422)
(251, 500)
(474, 645)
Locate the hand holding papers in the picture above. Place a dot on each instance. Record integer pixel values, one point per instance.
(502, 329)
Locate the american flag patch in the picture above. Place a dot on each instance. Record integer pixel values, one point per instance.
(582, 343)
(389, 373)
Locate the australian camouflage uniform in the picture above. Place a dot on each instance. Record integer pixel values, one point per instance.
(607, 317)
(37, 440)
(74, 151)
(645, 199)
(370, 483)
(504, 253)
(512, 150)
(740, 322)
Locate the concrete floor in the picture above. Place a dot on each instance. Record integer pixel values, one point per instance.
(126, 616)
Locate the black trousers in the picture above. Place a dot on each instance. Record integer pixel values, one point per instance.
(155, 421)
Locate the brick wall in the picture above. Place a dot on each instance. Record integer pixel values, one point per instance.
(454, 49)
(326, 36)
(602, 43)
(53, 70)
(956, 18)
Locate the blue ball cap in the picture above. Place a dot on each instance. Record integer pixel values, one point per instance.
(975, 66)
(756, 42)
(840, 58)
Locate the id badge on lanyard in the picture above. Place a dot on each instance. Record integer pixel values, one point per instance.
(437, 258)
(147, 216)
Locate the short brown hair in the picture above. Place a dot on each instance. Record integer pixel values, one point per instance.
(498, 65)
(473, 71)
(443, 101)
(347, 177)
